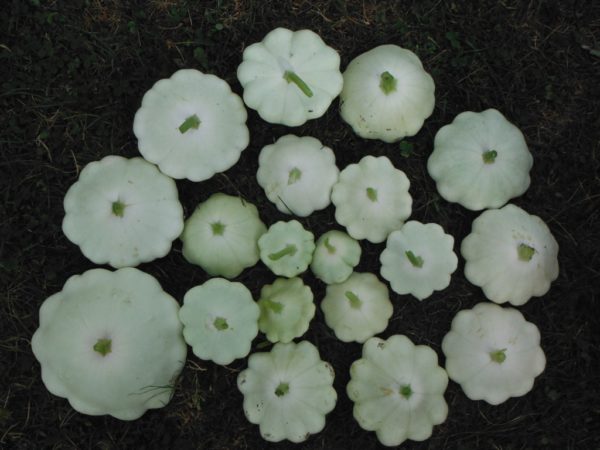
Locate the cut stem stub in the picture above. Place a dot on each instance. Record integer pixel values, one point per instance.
(288, 250)
(498, 356)
(387, 83)
(525, 252)
(103, 346)
(355, 301)
(416, 261)
(406, 391)
(118, 208)
(282, 389)
(489, 157)
(191, 123)
(292, 77)
(372, 194)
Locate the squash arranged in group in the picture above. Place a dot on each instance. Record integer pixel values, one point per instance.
(108, 339)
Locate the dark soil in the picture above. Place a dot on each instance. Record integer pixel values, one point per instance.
(72, 76)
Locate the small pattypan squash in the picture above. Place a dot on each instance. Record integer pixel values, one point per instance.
(288, 391)
(493, 353)
(286, 309)
(191, 125)
(358, 308)
(371, 199)
(387, 94)
(290, 77)
(122, 212)
(110, 343)
(480, 160)
(221, 236)
(511, 255)
(297, 174)
(398, 390)
(287, 248)
(418, 259)
(220, 319)
(335, 257)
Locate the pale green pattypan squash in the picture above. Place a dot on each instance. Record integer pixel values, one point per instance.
(288, 391)
(398, 390)
(371, 199)
(493, 353)
(297, 174)
(335, 257)
(287, 248)
(220, 319)
(286, 309)
(221, 236)
(511, 255)
(110, 343)
(191, 125)
(290, 77)
(480, 160)
(358, 308)
(122, 212)
(387, 94)
(418, 259)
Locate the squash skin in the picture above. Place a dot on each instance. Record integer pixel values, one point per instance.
(335, 257)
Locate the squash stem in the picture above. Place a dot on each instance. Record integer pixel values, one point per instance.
(221, 324)
(387, 83)
(118, 208)
(416, 261)
(282, 389)
(525, 252)
(218, 228)
(372, 194)
(355, 301)
(499, 356)
(294, 175)
(489, 157)
(292, 77)
(192, 122)
(103, 346)
(276, 307)
(330, 248)
(406, 391)
(288, 250)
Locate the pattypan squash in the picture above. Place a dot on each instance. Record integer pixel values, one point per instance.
(493, 353)
(286, 248)
(110, 343)
(286, 309)
(371, 199)
(358, 308)
(290, 77)
(335, 257)
(122, 212)
(511, 255)
(221, 235)
(418, 259)
(387, 94)
(398, 390)
(297, 174)
(480, 160)
(220, 319)
(191, 125)
(288, 391)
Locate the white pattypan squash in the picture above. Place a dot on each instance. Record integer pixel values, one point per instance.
(297, 174)
(286, 248)
(335, 257)
(398, 390)
(387, 94)
(122, 212)
(286, 309)
(288, 391)
(110, 343)
(358, 308)
(221, 235)
(418, 259)
(480, 160)
(290, 77)
(371, 198)
(511, 255)
(191, 125)
(493, 353)
(220, 319)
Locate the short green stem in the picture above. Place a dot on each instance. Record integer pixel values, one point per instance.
(387, 83)
(416, 261)
(282, 389)
(276, 307)
(294, 175)
(406, 391)
(372, 194)
(489, 157)
(218, 228)
(192, 122)
(103, 346)
(292, 77)
(355, 301)
(221, 324)
(330, 248)
(498, 356)
(118, 208)
(525, 252)
(288, 250)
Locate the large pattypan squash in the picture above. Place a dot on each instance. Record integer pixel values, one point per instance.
(220, 319)
(122, 212)
(371, 199)
(493, 353)
(286, 248)
(191, 125)
(480, 160)
(387, 94)
(110, 343)
(221, 236)
(297, 174)
(418, 259)
(398, 390)
(335, 257)
(290, 77)
(511, 255)
(288, 391)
